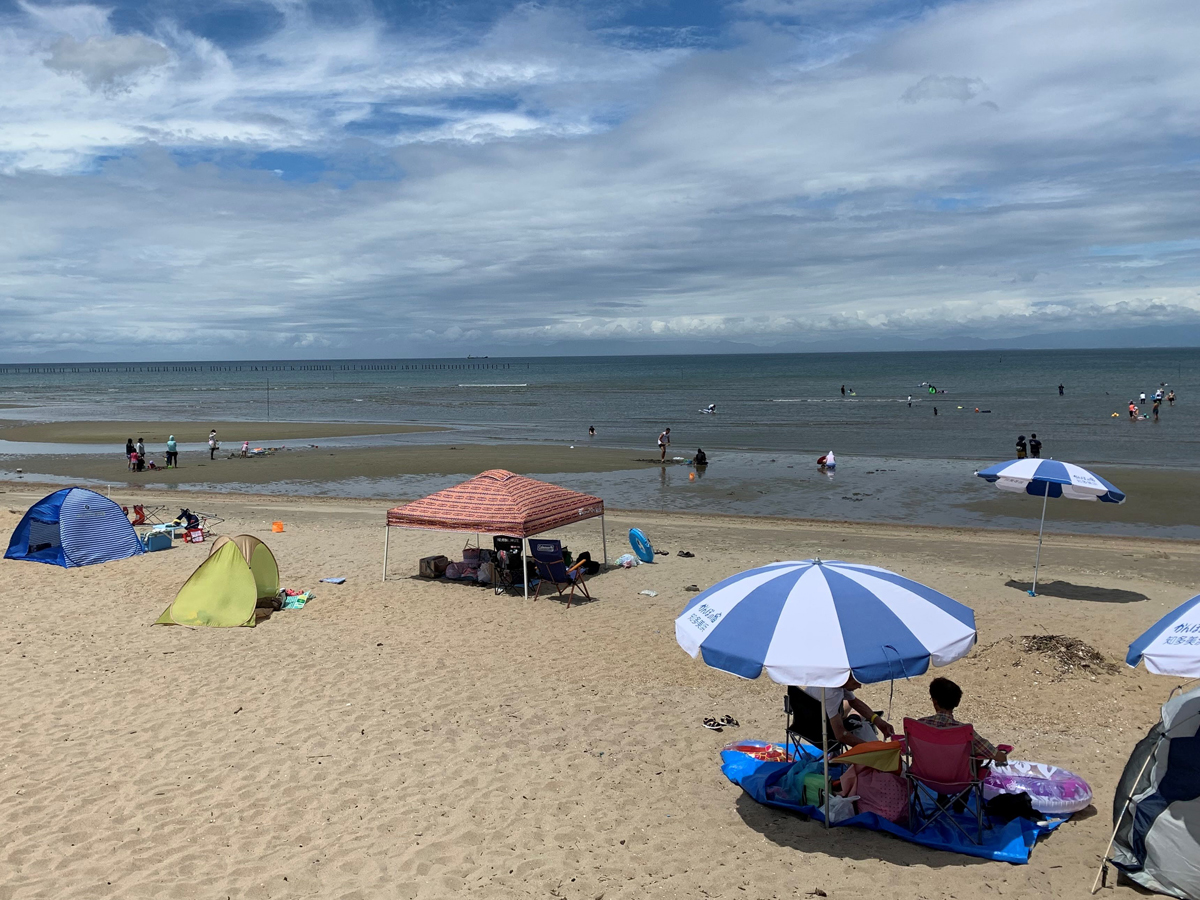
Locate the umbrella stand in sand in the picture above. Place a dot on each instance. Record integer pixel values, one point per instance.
(1048, 478)
(1171, 646)
(816, 623)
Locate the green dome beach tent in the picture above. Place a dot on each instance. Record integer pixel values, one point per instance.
(225, 588)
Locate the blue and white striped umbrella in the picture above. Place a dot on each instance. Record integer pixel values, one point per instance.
(1171, 646)
(1051, 478)
(1048, 478)
(815, 622)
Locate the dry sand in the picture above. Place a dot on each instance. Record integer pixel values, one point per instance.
(330, 464)
(419, 739)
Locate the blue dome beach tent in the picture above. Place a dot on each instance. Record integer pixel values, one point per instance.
(1048, 478)
(1156, 810)
(74, 527)
(815, 623)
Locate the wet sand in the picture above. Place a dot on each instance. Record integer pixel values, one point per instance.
(1153, 496)
(417, 739)
(156, 433)
(323, 464)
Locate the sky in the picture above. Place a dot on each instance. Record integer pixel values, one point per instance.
(345, 178)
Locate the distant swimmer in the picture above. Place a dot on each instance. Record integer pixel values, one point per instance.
(664, 441)
(710, 409)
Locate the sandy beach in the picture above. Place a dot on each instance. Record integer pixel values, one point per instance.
(425, 739)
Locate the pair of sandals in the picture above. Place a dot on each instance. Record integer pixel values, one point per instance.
(713, 724)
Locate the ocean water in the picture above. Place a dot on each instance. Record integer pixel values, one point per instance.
(770, 403)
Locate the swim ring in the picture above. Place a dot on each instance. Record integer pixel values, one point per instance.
(1052, 790)
(641, 545)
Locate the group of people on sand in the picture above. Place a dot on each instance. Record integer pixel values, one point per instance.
(853, 722)
(135, 453)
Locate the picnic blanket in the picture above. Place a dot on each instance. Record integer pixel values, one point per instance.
(1011, 842)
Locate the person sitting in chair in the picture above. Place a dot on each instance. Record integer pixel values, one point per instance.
(844, 710)
(946, 695)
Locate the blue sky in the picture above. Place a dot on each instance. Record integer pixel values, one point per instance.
(277, 177)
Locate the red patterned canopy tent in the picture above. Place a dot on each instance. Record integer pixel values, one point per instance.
(497, 502)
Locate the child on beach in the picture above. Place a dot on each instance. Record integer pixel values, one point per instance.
(664, 441)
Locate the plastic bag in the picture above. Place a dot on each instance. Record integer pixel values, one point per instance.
(628, 561)
(840, 809)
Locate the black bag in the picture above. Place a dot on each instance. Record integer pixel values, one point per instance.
(1007, 807)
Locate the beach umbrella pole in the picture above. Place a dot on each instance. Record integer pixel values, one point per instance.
(825, 752)
(1038, 559)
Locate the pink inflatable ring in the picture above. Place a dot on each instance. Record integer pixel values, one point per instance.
(1054, 791)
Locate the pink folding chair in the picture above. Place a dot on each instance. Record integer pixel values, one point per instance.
(941, 768)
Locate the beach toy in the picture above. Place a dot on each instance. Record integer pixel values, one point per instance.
(761, 750)
(641, 545)
(1052, 790)
(277, 527)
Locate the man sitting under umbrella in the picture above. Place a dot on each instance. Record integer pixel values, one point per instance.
(841, 707)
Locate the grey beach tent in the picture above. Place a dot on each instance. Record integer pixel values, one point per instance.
(1156, 811)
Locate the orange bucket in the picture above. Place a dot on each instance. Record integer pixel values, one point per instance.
(277, 527)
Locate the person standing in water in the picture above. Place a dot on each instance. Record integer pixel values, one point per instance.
(1035, 447)
(1157, 404)
(1022, 447)
(591, 431)
(1060, 389)
(172, 452)
(664, 441)
(935, 410)
(1171, 397)
(843, 390)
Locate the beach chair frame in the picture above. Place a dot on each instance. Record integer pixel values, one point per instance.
(555, 572)
(803, 723)
(941, 767)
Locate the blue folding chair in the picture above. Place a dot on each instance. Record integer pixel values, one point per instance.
(547, 556)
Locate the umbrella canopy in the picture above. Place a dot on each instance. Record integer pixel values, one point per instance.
(1171, 646)
(1048, 478)
(1051, 478)
(815, 622)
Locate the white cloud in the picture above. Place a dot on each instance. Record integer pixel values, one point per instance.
(539, 183)
(103, 62)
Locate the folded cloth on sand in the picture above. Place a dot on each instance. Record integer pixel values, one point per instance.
(296, 601)
(334, 580)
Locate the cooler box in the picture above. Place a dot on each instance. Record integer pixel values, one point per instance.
(433, 566)
(156, 540)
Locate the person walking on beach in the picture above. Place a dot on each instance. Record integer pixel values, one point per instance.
(1035, 447)
(130, 450)
(172, 452)
(664, 440)
(140, 451)
(1022, 448)
(212, 444)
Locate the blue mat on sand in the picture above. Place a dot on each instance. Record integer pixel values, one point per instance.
(1007, 843)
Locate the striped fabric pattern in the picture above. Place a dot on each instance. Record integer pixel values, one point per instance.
(498, 502)
(93, 529)
(1049, 476)
(814, 622)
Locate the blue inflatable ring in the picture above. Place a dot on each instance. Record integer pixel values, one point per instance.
(641, 545)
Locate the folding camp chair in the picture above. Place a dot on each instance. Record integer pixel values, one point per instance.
(548, 557)
(510, 563)
(804, 714)
(941, 768)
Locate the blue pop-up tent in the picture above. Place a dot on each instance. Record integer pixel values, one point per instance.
(74, 527)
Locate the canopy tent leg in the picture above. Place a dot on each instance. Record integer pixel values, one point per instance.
(525, 568)
(387, 534)
(1038, 561)
(604, 540)
(825, 752)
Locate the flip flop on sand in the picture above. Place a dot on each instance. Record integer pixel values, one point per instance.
(711, 724)
(730, 721)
